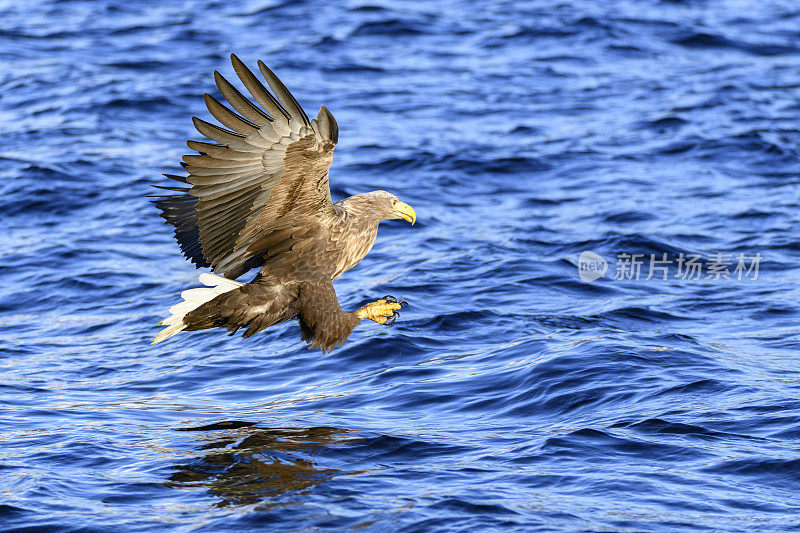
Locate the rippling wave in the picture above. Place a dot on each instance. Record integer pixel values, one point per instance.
(513, 394)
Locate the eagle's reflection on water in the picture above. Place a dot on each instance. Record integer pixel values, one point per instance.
(248, 464)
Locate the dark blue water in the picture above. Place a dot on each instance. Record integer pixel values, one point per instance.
(512, 395)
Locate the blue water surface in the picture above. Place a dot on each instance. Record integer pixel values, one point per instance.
(512, 395)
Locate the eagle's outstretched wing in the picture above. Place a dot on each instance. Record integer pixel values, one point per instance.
(262, 187)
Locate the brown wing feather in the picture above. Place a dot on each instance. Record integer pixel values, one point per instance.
(267, 171)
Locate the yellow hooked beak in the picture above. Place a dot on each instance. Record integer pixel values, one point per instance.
(405, 211)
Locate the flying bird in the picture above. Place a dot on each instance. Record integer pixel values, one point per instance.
(258, 196)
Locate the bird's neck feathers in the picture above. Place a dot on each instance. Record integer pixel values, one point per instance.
(367, 208)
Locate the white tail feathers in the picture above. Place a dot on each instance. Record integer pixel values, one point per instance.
(192, 299)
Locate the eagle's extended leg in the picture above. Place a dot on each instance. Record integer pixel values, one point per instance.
(383, 311)
(324, 324)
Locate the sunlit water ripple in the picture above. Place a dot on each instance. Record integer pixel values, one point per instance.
(511, 394)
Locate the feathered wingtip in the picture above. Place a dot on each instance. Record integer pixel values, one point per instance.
(192, 299)
(328, 128)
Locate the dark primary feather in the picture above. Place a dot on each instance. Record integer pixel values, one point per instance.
(286, 99)
(257, 90)
(179, 211)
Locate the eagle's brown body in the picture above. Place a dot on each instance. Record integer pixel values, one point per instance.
(259, 197)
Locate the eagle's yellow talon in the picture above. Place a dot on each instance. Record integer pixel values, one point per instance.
(383, 311)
